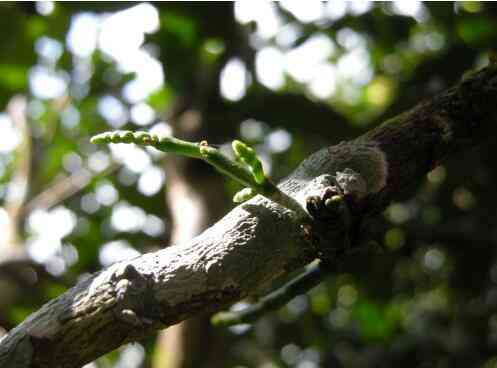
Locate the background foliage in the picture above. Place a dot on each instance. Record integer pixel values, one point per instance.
(289, 78)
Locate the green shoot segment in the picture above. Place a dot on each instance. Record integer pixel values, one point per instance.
(249, 157)
(165, 144)
(311, 277)
(229, 167)
(250, 174)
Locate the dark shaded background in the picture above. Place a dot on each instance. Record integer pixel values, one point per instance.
(427, 298)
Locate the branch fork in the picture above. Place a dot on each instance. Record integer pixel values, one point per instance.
(330, 210)
(332, 231)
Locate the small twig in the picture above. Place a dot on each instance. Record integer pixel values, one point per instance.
(165, 144)
(311, 277)
(66, 187)
(250, 175)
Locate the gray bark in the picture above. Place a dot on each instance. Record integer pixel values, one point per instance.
(252, 245)
(193, 342)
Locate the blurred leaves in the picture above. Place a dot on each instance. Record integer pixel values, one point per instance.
(405, 307)
(477, 31)
(375, 323)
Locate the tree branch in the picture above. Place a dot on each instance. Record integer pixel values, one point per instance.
(310, 278)
(252, 245)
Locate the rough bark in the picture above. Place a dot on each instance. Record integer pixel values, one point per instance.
(194, 342)
(254, 243)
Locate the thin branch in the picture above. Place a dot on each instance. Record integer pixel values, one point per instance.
(311, 277)
(66, 187)
(251, 175)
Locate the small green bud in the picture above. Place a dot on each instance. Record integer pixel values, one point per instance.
(258, 172)
(207, 151)
(154, 138)
(219, 319)
(127, 136)
(249, 157)
(98, 139)
(244, 195)
(333, 202)
(242, 150)
(115, 137)
(142, 138)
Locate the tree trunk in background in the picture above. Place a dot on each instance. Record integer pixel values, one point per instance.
(196, 199)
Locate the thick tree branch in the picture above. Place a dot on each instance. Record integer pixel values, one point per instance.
(254, 244)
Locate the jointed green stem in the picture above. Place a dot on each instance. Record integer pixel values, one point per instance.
(165, 144)
(251, 175)
(229, 167)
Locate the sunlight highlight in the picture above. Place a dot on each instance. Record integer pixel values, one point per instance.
(234, 80)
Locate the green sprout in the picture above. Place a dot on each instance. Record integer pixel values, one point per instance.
(248, 172)
(249, 157)
(244, 195)
(165, 144)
